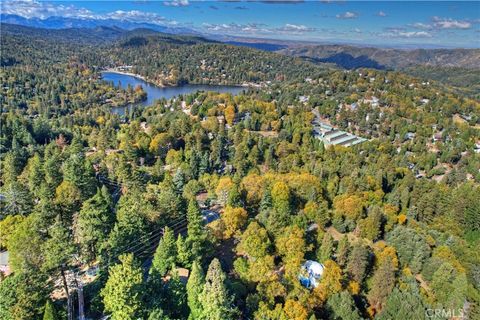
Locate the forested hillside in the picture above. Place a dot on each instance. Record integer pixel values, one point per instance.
(208, 205)
(458, 68)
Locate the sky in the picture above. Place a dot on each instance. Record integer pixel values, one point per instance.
(382, 23)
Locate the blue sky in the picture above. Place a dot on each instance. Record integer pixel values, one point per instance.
(438, 23)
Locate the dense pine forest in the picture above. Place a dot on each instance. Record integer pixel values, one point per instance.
(206, 206)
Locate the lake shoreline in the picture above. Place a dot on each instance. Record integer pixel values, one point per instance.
(154, 92)
(113, 70)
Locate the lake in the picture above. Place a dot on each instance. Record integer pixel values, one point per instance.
(154, 92)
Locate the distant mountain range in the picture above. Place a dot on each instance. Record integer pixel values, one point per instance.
(67, 23)
(351, 57)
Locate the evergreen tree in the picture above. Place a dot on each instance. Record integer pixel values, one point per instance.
(342, 252)
(165, 255)
(382, 284)
(50, 313)
(158, 314)
(122, 294)
(266, 202)
(178, 181)
(23, 295)
(341, 306)
(216, 303)
(449, 286)
(234, 197)
(371, 226)
(195, 286)
(184, 255)
(326, 249)
(196, 237)
(17, 199)
(176, 302)
(11, 167)
(405, 302)
(35, 174)
(94, 223)
(358, 262)
(58, 249)
(131, 224)
(78, 171)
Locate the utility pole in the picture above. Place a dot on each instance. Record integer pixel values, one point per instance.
(69, 298)
(81, 312)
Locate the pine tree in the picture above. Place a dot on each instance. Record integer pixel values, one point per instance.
(58, 249)
(184, 255)
(195, 285)
(165, 255)
(196, 237)
(178, 181)
(216, 303)
(342, 307)
(158, 314)
(326, 249)
(131, 224)
(11, 167)
(383, 282)
(122, 294)
(266, 202)
(78, 171)
(342, 251)
(404, 303)
(95, 221)
(35, 174)
(17, 199)
(371, 226)
(50, 312)
(176, 295)
(358, 262)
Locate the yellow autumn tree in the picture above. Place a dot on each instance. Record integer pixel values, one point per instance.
(291, 247)
(330, 283)
(234, 219)
(230, 114)
(224, 186)
(348, 206)
(295, 310)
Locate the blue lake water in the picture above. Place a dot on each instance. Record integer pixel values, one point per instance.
(154, 92)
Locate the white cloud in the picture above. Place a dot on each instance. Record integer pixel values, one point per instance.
(423, 26)
(43, 10)
(177, 3)
(257, 28)
(295, 28)
(402, 33)
(235, 27)
(448, 23)
(381, 14)
(138, 16)
(347, 15)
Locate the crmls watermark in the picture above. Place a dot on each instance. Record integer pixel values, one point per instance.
(445, 313)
